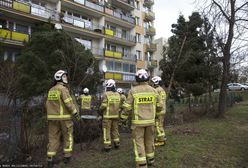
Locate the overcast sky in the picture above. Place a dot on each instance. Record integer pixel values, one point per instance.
(167, 12)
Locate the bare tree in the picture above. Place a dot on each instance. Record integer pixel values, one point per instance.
(229, 18)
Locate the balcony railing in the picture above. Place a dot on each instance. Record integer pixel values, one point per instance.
(30, 8)
(149, 15)
(154, 63)
(151, 47)
(120, 76)
(130, 2)
(119, 15)
(44, 12)
(94, 6)
(113, 54)
(78, 22)
(119, 34)
(150, 31)
(116, 76)
(11, 35)
(148, 2)
(128, 77)
(129, 56)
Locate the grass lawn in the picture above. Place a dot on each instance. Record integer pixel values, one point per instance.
(206, 143)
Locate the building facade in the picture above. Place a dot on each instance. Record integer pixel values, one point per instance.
(160, 43)
(120, 33)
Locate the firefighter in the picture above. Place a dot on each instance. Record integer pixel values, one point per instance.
(60, 109)
(160, 114)
(110, 106)
(85, 100)
(123, 97)
(142, 102)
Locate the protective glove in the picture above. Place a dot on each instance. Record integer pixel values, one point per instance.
(77, 116)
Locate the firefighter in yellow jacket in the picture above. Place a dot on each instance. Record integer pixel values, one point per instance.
(60, 109)
(85, 100)
(142, 102)
(160, 114)
(110, 114)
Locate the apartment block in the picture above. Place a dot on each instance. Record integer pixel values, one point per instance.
(158, 55)
(120, 33)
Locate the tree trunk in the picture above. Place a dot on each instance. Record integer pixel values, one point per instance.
(226, 59)
(223, 92)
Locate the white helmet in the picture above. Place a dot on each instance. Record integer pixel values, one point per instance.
(156, 80)
(110, 83)
(58, 76)
(119, 90)
(86, 90)
(141, 76)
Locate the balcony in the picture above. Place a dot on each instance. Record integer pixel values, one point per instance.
(112, 54)
(124, 4)
(81, 23)
(128, 77)
(12, 37)
(119, 15)
(44, 13)
(30, 9)
(129, 56)
(94, 6)
(151, 47)
(154, 63)
(148, 2)
(149, 15)
(151, 31)
(120, 35)
(115, 76)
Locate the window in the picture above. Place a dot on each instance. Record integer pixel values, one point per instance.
(118, 66)
(137, 4)
(137, 21)
(22, 29)
(138, 55)
(125, 67)
(132, 68)
(138, 38)
(124, 34)
(111, 47)
(110, 65)
(124, 52)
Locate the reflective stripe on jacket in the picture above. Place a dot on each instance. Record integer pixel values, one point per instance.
(111, 104)
(59, 104)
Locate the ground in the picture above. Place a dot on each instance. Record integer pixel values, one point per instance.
(217, 143)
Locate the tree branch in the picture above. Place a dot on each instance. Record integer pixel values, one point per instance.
(222, 11)
(241, 7)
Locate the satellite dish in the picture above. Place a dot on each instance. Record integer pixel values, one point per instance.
(104, 68)
(58, 26)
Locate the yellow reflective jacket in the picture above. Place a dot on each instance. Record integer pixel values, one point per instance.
(142, 102)
(111, 104)
(163, 97)
(59, 104)
(85, 102)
